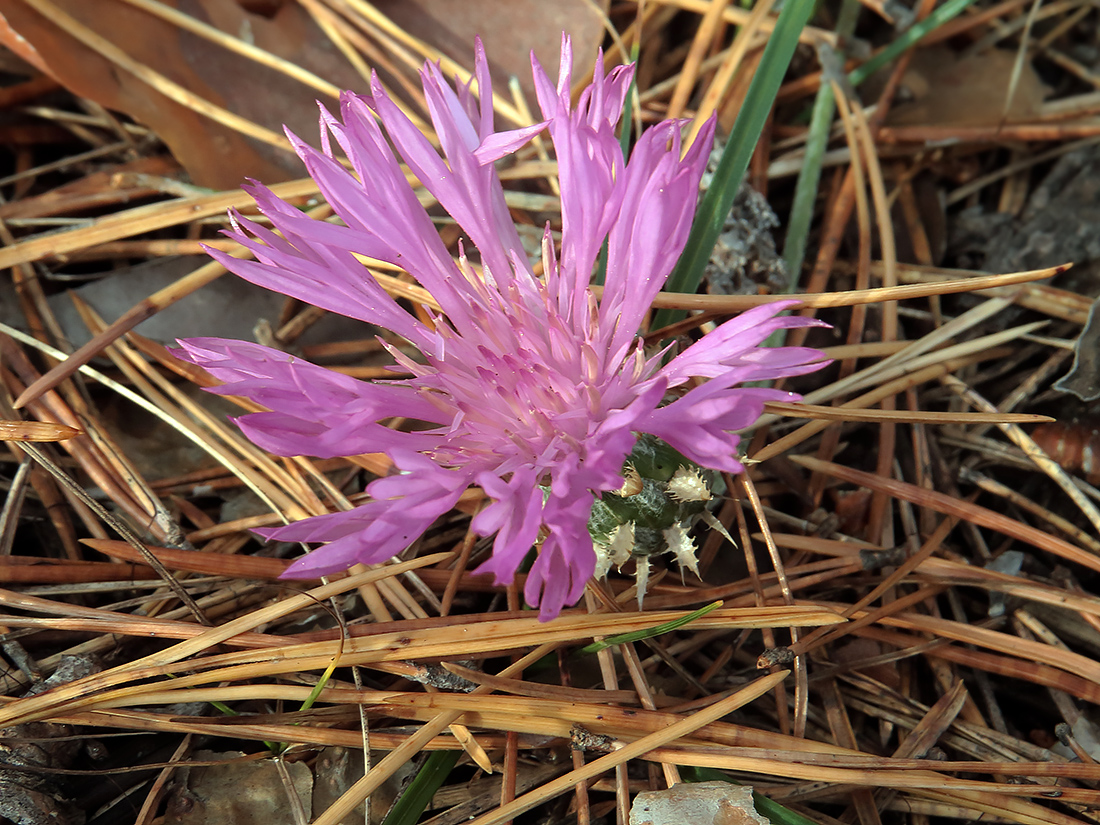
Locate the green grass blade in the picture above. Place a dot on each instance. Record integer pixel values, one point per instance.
(640, 635)
(817, 141)
(948, 10)
(418, 796)
(809, 178)
(624, 143)
(735, 159)
(625, 133)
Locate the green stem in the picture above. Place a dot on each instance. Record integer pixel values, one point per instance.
(735, 159)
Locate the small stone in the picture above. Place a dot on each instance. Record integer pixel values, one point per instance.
(702, 803)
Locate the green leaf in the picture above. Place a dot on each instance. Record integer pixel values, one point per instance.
(628, 110)
(735, 159)
(649, 633)
(313, 694)
(418, 796)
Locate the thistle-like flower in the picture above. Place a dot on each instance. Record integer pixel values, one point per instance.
(536, 390)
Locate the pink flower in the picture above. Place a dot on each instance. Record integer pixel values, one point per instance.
(536, 390)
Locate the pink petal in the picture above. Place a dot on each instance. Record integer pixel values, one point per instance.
(403, 507)
(659, 195)
(515, 516)
(315, 411)
(701, 424)
(735, 344)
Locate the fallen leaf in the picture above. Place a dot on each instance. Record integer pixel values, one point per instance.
(214, 155)
(1083, 379)
(510, 32)
(948, 90)
(241, 791)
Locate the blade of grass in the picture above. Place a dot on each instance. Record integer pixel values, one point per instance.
(746, 131)
(817, 140)
(950, 9)
(735, 159)
(416, 798)
(649, 633)
(805, 190)
(625, 135)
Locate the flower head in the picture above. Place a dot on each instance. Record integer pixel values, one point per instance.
(536, 391)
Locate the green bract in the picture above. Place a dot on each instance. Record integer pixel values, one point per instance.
(662, 494)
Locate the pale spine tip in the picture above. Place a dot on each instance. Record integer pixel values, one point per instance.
(632, 482)
(641, 576)
(683, 546)
(621, 544)
(687, 485)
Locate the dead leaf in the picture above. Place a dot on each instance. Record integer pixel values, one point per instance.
(30, 793)
(239, 792)
(946, 90)
(1083, 379)
(509, 30)
(214, 155)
